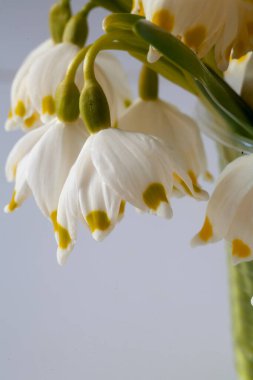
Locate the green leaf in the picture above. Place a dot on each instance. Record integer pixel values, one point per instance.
(218, 94)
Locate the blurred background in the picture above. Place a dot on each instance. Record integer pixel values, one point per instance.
(140, 305)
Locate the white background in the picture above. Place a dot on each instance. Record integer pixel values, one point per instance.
(141, 305)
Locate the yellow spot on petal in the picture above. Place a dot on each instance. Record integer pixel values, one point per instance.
(164, 19)
(208, 176)
(240, 249)
(195, 36)
(63, 234)
(20, 109)
(10, 114)
(127, 103)
(193, 177)
(48, 105)
(30, 121)
(122, 208)
(154, 195)
(13, 204)
(98, 220)
(242, 59)
(187, 190)
(206, 232)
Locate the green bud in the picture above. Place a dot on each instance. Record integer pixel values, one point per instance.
(94, 108)
(59, 15)
(76, 30)
(67, 101)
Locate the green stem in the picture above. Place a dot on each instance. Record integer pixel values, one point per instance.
(148, 84)
(72, 69)
(102, 44)
(241, 291)
(88, 7)
(127, 41)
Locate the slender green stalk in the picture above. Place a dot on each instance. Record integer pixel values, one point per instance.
(148, 84)
(241, 291)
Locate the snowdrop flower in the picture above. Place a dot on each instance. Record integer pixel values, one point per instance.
(45, 76)
(40, 163)
(113, 167)
(230, 212)
(205, 24)
(162, 120)
(22, 113)
(34, 88)
(51, 69)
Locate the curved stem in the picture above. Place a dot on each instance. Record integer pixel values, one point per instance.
(71, 72)
(88, 7)
(127, 41)
(99, 45)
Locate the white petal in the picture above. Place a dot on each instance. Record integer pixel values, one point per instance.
(235, 74)
(22, 148)
(21, 189)
(221, 25)
(233, 185)
(179, 131)
(45, 76)
(135, 166)
(19, 92)
(68, 214)
(153, 55)
(51, 160)
(85, 196)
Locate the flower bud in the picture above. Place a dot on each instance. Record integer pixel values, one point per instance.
(67, 101)
(94, 108)
(76, 30)
(59, 15)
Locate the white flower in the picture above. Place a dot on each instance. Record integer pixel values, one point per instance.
(116, 166)
(34, 87)
(179, 131)
(46, 74)
(51, 69)
(22, 113)
(205, 24)
(40, 163)
(230, 210)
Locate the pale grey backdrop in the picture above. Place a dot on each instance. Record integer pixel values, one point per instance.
(141, 305)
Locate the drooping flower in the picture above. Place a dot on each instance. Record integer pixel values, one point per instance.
(113, 167)
(51, 69)
(22, 113)
(229, 213)
(43, 78)
(35, 85)
(40, 163)
(46, 74)
(203, 25)
(159, 118)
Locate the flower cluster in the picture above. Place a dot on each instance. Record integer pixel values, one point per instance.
(89, 149)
